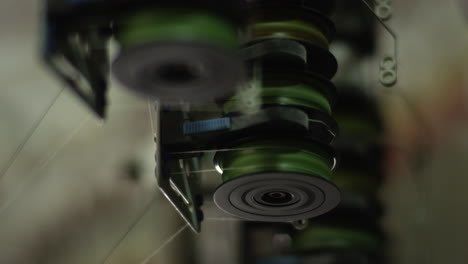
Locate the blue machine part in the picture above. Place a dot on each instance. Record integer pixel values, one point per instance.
(199, 127)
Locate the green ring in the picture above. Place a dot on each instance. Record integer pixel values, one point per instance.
(290, 29)
(335, 237)
(274, 156)
(177, 25)
(298, 95)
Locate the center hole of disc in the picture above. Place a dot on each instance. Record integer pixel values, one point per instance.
(277, 197)
(177, 73)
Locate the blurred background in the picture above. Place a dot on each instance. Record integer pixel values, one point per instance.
(83, 190)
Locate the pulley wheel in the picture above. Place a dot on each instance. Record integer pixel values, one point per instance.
(175, 55)
(276, 180)
(277, 196)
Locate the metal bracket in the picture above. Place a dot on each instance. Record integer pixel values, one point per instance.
(179, 188)
(176, 187)
(81, 61)
(383, 11)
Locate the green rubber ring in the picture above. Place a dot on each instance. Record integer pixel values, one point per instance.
(290, 29)
(177, 25)
(335, 237)
(274, 156)
(297, 95)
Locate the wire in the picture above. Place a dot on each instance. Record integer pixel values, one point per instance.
(148, 206)
(131, 227)
(389, 30)
(16, 196)
(168, 241)
(33, 130)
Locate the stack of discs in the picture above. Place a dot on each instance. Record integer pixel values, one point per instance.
(351, 233)
(272, 175)
(181, 51)
(304, 22)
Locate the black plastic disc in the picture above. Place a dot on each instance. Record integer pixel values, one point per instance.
(319, 60)
(175, 71)
(277, 196)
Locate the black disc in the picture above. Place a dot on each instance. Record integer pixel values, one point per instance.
(277, 196)
(173, 71)
(319, 60)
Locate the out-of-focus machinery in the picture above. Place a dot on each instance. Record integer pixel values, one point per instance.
(242, 93)
(350, 233)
